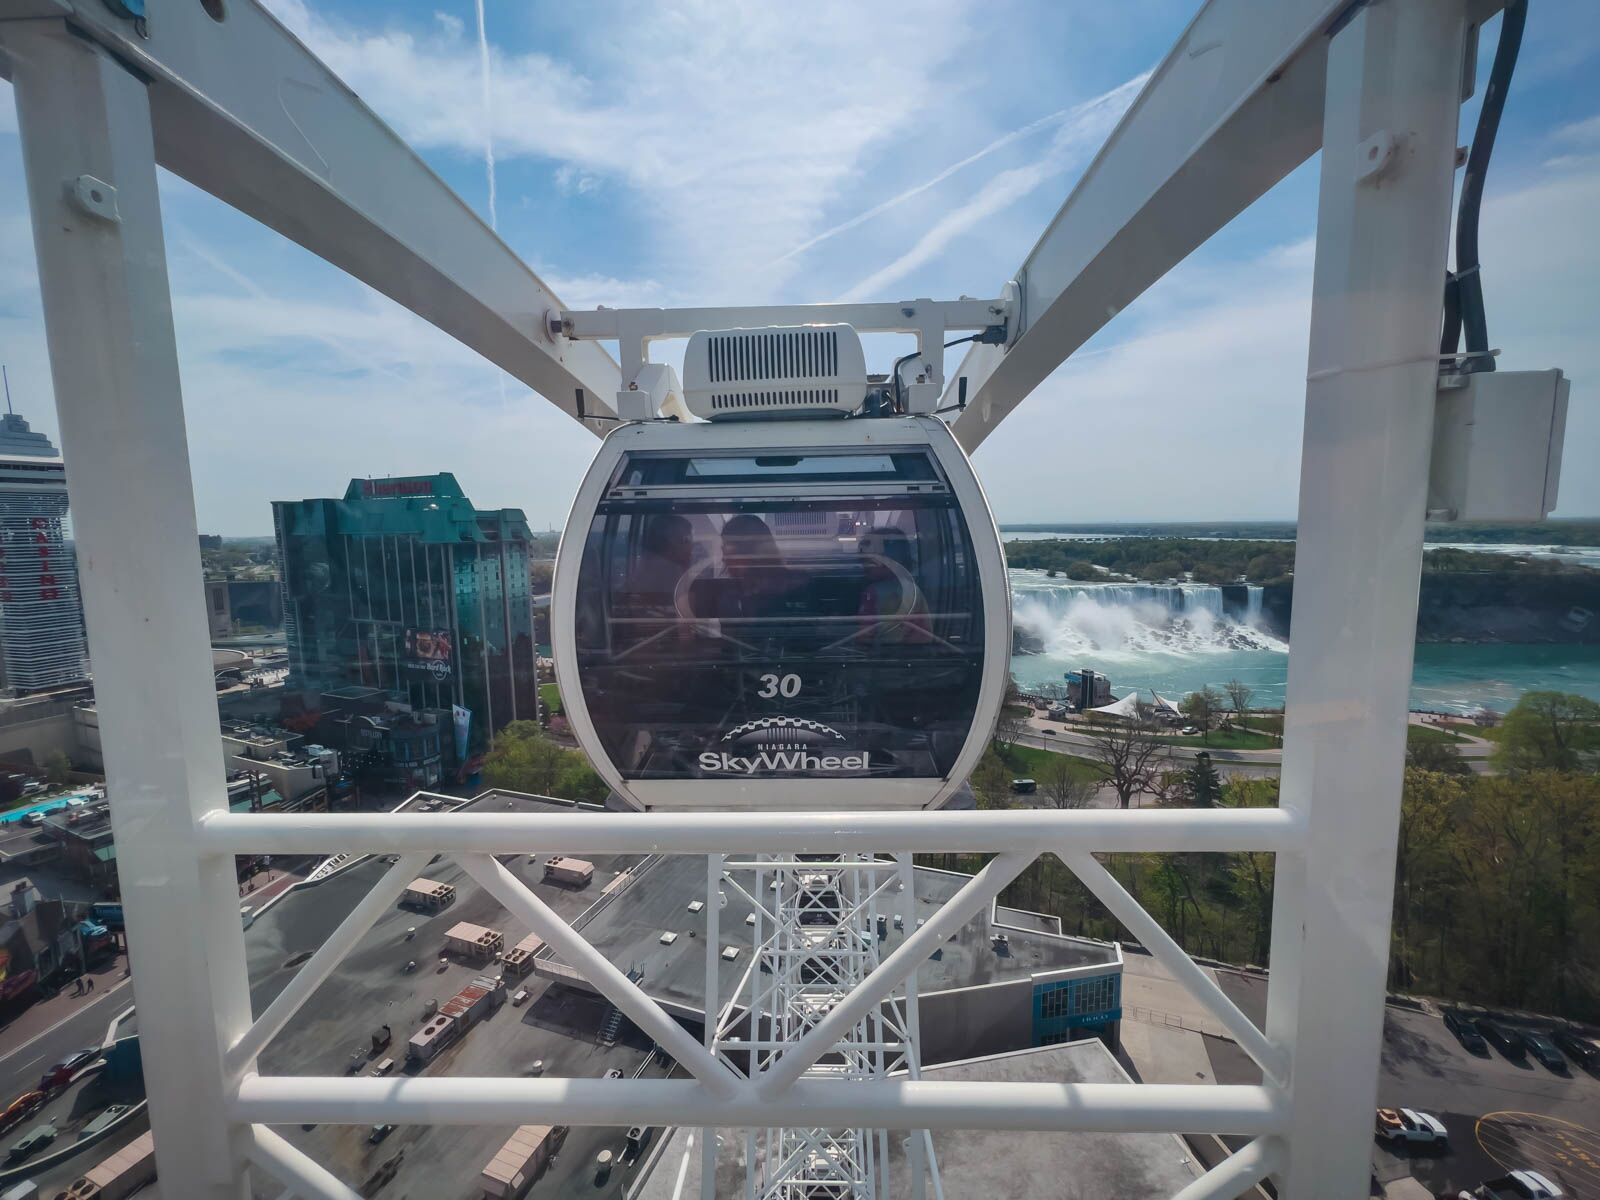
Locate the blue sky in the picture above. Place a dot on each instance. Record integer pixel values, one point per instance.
(711, 153)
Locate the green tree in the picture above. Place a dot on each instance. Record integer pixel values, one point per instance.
(1428, 754)
(525, 760)
(1064, 784)
(1202, 707)
(1549, 731)
(1202, 783)
(580, 781)
(1239, 695)
(57, 768)
(991, 781)
(1078, 569)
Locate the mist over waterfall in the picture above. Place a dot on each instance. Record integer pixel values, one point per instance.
(1124, 622)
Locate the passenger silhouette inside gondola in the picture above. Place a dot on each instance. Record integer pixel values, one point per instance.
(892, 606)
(667, 552)
(752, 562)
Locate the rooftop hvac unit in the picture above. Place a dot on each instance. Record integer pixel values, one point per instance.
(798, 371)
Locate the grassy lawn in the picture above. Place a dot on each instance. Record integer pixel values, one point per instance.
(1417, 735)
(1489, 733)
(550, 697)
(1031, 760)
(1226, 739)
(1267, 723)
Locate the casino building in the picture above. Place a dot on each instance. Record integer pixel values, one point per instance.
(42, 645)
(402, 590)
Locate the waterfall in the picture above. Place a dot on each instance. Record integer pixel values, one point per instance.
(1133, 619)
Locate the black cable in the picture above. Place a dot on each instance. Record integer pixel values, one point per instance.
(1468, 282)
(899, 407)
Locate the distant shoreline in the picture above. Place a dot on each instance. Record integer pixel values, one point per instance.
(1570, 531)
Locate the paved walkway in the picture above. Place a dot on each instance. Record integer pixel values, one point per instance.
(45, 1014)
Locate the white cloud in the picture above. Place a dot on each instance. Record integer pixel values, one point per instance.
(735, 125)
(573, 181)
(1191, 403)
(1581, 133)
(1084, 129)
(1066, 115)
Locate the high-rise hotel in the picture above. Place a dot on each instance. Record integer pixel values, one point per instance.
(41, 615)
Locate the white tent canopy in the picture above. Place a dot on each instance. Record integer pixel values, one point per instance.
(1165, 705)
(1127, 707)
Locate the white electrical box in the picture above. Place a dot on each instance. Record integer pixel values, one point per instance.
(1497, 446)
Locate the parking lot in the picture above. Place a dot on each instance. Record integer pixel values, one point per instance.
(1501, 1114)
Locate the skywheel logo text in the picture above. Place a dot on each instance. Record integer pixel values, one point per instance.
(782, 745)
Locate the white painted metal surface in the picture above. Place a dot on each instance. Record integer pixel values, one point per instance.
(1395, 68)
(1233, 108)
(244, 111)
(1238, 103)
(114, 361)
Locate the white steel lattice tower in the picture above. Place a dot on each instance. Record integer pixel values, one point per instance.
(41, 618)
(819, 923)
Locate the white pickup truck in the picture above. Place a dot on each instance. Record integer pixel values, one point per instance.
(1408, 1126)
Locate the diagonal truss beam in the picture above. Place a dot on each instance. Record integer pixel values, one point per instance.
(906, 958)
(243, 110)
(1242, 1170)
(320, 965)
(304, 1177)
(612, 983)
(1269, 1057)
(1230, 111)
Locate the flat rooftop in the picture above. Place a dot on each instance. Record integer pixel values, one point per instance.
(371, 987)
(985, 1163)
(629, 931)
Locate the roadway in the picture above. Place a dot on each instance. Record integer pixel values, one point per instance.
(21, 1067)
(1061, 737)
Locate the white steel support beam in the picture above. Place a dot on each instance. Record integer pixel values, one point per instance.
(90, 163)
(1237, 1173)
(320, 965)
(520, 902)
(1230, 111)
(1394, 86)
(1273, 1060)
(306, 1179)
(1102, 830)
(244, 111)
(810, 1103)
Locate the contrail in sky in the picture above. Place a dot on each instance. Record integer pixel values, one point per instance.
(999, 143)
(488, 115)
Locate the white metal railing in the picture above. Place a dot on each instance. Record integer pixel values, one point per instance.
(775, 1091)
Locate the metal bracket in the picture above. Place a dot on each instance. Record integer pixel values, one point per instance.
(96, 198)
(1375, 156)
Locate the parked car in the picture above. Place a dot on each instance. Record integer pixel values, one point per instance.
(32, 1142)
(1407, 1126)
(1024, 787)
(1503, 1038)
(1545, 1051)
(61, 1074)
(1188, 731)
(519, 997)
(1519, 1185)
(379, 1132)
(1581, 1050)
(385, 1067)
(1466, 1034)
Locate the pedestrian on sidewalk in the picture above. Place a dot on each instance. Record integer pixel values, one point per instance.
(90, 979)
(77, 986)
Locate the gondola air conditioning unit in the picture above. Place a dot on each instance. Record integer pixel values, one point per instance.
(789, 372)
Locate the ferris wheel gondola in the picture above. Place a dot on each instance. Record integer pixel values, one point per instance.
(769, 609)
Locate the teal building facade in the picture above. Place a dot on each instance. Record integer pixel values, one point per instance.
(403, 586)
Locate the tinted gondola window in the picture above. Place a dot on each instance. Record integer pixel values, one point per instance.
(804, 615)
